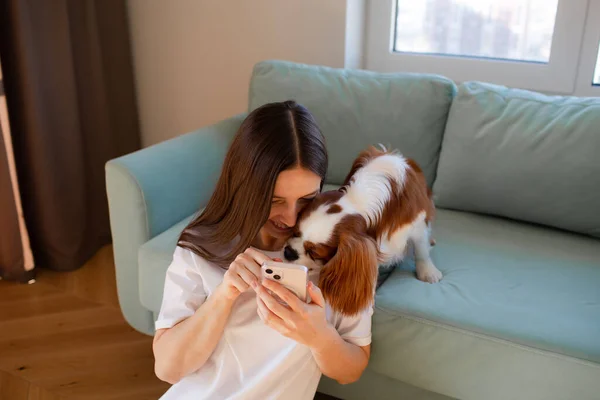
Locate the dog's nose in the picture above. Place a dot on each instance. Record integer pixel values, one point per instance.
(290, 254)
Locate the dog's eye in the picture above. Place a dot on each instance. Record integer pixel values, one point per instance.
(296, 234)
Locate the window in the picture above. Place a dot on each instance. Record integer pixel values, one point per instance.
(531, 44)
(596, 80)
(511, 29)
(588, 76)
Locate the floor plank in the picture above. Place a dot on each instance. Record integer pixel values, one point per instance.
(42, 325)
(77, 364)
(38, 393)
(65, 338)
(51, 303)
(12, 292)
(12, 387)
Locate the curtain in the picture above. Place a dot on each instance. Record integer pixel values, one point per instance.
(69, 88)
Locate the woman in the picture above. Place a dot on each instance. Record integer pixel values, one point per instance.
(220, 334)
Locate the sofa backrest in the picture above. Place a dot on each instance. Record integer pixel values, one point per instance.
(355, 109)
(522, 155)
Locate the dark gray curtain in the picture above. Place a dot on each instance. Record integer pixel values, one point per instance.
(70, 91)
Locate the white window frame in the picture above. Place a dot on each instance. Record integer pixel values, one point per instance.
(563, 74)
(589, 53)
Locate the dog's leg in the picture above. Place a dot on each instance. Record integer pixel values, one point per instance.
(431, 239)
(426, 270)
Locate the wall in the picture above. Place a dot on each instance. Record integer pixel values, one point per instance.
(193, 59)
(355, 34)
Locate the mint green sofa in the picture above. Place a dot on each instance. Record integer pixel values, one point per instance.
(516, 180)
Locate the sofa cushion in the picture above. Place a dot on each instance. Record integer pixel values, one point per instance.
(518, 313)
(154, 257)
(522, 155)
(358, 108)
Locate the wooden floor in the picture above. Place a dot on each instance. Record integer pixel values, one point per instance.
(64, 337)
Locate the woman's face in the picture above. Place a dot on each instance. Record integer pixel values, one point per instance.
(294, 189)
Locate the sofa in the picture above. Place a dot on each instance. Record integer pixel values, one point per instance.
(516, 183)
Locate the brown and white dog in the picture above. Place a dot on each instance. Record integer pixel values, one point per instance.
(344, 235)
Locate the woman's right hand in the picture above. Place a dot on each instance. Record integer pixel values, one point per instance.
(242, 273)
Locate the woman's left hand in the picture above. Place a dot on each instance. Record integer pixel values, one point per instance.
(302, 322)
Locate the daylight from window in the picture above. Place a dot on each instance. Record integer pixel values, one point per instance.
(519, 30)
(597, 73)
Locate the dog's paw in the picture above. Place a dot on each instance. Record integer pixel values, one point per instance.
(427, 272)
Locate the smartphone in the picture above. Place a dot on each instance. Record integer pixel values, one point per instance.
(292, 276)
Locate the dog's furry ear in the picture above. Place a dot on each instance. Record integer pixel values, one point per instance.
(348, 280)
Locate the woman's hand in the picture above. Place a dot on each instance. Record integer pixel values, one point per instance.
(307, 324)
(243, 273)
(302, 322)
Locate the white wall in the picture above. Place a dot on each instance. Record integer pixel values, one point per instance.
(193, 58)
(355, 34)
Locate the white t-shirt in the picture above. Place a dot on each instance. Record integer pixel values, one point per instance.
(251, 360)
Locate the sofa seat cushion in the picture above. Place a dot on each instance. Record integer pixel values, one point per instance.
(154, 257)
(518, 303)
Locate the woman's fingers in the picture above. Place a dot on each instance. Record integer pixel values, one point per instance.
(257, 256)
(270, 318)
(253, 259)
(285, 294)
(316, 295)
(263, 311)
(250, 264)
(241, 277)
(239, 268)
(238, 283)
(273, 305)
(246, 268)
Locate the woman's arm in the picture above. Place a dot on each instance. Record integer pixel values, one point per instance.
(340, 360)
(185, 347)
(307, 324)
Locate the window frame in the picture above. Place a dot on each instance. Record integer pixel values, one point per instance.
(561, 75)
(589, 53)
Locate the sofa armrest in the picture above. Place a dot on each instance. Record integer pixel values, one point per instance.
(151, 190)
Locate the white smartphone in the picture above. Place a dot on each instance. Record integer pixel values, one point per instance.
(292, 276)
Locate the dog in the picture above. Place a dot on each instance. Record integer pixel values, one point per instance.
(344, 235)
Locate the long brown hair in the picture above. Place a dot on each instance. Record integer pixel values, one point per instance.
(272, 138)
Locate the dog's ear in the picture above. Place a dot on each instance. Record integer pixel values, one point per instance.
(348, 280)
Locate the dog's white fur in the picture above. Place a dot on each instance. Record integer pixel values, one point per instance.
(367, 195)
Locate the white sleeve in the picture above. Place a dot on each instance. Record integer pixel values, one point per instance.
(357, 328)
(183, 292)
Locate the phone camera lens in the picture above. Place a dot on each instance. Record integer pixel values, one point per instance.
(277, 277)
(269, 271)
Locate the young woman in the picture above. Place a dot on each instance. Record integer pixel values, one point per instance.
(220, 334)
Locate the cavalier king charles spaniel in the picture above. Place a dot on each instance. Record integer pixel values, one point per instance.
(344, 235)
